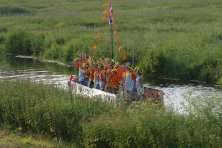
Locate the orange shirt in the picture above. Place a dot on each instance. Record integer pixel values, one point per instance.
(113, 81)
(92, 74)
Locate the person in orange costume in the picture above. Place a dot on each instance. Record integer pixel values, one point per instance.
(112, 84)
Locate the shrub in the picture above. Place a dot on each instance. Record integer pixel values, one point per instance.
(13, 11)
(25, 43)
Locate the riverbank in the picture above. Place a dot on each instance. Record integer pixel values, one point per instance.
(175, 40)
(17, 139)
(44, 109)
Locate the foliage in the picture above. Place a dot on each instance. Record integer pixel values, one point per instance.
(180, 39)
(13, 11)
(37, 108)
(21, 42)
(147, 125)
(45, 109)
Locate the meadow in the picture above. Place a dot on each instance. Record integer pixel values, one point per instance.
(166, 38)
(36, 111)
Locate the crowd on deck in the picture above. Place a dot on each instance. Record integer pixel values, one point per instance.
(110, 76)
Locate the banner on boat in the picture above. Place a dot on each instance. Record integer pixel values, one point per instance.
(79, 89)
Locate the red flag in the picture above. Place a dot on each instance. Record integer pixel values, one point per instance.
(124, 57)
(115, 31)
(117, 40)
(71, 78)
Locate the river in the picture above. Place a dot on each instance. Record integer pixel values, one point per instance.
(177, 94)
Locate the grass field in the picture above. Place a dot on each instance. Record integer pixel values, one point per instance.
(169, 38)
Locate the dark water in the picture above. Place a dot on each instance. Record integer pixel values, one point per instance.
(177, 93)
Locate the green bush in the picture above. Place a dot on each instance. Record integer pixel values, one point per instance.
(25, 43)
(147, 125)
(13, 11)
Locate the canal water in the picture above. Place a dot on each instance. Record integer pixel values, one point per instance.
(178, 95)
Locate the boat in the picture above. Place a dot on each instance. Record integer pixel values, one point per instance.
(92, 93)
(78, 89)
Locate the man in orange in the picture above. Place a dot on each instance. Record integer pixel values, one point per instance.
(112, 84)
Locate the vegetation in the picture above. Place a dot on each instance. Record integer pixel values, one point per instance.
(16, 139)
(169, 38)
(47, 110)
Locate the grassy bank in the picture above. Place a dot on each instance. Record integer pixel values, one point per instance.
(42, 109)
(169, 38)
(16, 139)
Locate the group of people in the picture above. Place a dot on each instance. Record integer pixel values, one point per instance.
(108, 75)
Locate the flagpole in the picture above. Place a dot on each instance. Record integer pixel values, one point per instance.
(111, 28)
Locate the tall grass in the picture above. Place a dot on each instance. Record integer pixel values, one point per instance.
(185, 34)
(44, 109)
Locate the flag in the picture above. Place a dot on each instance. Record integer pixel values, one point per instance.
(111, 15)
(111, 20)
(105, 12)
(94, 46)
(71, 78)
(115, 31)
(120, 48)
(104, 18)
(124, 57)
(108, 4)
(117, 40)
(111, 10)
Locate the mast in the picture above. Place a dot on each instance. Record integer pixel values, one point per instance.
(111, 29)
(111, 25)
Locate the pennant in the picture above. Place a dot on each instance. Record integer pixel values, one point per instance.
(115, 31)
(104, 18)
(117, 40)
(94, 46)
(124, 57)
(111, 20)
(111, 10)
(120, 48)
(105, 12)
(71, 78)
(108, 4)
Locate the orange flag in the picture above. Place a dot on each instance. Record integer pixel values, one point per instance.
(120, 48)
(105, 12)
(108, 4)
(104, 17)
(124, 57)
(94, 46)
(115, 31)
